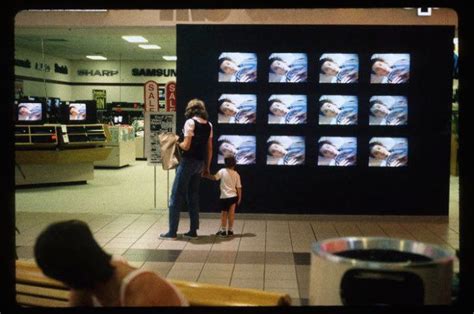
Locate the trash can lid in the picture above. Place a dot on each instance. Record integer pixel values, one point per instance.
(381, 252)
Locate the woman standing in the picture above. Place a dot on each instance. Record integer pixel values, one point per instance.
(197, 155)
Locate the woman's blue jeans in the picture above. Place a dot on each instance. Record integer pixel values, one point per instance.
(185, 191)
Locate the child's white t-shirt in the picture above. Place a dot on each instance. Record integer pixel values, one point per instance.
(230, 181)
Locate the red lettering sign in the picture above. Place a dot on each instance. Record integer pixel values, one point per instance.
(170, 96)
(151, 96)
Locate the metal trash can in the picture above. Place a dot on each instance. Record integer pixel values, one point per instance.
(379, 271)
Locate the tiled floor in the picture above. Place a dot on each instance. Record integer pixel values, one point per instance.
(268, 252)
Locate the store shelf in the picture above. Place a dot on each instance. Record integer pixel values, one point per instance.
(36, 136)
(83, 135)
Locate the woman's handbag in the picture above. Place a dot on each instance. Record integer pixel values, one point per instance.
(170, 151)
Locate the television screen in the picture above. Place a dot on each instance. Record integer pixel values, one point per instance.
(338, 110)
(237, 108)
(242, 147)
(288, 68)
(338, 68)
(388, 110)
(337, 151)
(287, 109)
(237, 67)
(388, 152)
(390, 68)
(77, 111)
(30, 111)
(285, 150)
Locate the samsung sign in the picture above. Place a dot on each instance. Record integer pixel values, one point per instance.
(153, 72)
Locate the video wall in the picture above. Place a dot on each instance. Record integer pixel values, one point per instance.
(325, 119)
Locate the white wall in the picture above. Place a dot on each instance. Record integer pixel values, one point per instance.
(83, 92)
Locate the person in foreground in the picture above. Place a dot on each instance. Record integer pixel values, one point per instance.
(231, 195)
(67, 251)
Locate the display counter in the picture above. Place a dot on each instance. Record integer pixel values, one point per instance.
(140, 148)
(55, 153)
(122, 144)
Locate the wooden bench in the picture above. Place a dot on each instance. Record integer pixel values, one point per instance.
(34, 289)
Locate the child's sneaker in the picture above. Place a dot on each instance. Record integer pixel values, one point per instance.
(230, 233)
(221, 234)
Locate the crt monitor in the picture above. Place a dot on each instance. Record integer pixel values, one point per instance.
(30, 112)
(79, 112)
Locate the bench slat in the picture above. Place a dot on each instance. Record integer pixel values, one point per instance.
(42, 292)
(29, 300)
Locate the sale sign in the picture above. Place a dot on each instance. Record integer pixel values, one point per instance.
(170, 96)
(151, 99)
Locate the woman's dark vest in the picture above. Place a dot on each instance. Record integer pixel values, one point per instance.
(198, 149)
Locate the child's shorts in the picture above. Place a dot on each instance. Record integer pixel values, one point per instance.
(225, 203)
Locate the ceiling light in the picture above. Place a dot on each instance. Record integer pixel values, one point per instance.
(96, 57)
(170, 58)
(135, 39)
(149, 46)
(455, 41)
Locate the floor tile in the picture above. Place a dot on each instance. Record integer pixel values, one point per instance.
(164, 255)
(247, 283)
(227, 257)
(284, 258)
(193, 256)
(302, 258)
(250, 258)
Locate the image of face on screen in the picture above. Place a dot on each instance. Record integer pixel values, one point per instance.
(338, 68)
(287, 109)
(30, 112)
(338, 110)
(237, 67)
(285, 150)
(388, 110)
(388, 152)
(242, 148)
(288, 68)
(390, 68)
(337, 151)
(237, 108)
(77, 112)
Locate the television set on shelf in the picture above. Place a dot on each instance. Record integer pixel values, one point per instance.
(53, 105)
(30, 112)
(79, 112)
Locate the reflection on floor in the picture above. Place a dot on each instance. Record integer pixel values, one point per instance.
(269, 252)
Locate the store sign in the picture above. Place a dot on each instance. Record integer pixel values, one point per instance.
(85, 72)
(151, 97)
(153, 72)
(23, 63)
(170, 96)
(156, 123)
(100, 97)
(62, 69)
(42, 67)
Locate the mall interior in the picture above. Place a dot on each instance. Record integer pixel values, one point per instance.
(98, 167)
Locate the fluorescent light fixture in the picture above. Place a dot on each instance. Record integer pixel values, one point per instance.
(135, 39)
(149, 46)
(456, 41)
(170, 58)
(424, 12)
(96, 57)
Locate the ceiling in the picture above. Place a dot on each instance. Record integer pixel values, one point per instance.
(75, 43)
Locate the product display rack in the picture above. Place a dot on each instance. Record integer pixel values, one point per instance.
(83, 135)
(37, 136)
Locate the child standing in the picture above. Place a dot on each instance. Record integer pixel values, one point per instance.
(231, 194)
